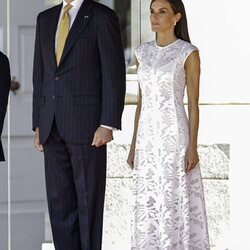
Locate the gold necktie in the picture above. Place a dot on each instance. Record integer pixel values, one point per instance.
(63, 32)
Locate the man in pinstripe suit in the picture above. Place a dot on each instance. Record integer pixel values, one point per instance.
(4, 92)
(77, 102)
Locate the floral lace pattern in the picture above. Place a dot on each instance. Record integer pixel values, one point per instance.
(168, 204)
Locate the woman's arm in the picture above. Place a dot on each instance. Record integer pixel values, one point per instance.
(131, 156)
(192, 69)
(136, 121)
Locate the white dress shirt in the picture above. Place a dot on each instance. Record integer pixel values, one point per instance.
(72, 14)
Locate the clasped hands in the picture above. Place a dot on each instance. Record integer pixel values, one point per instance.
(101, 137)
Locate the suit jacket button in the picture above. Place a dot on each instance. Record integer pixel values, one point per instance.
(57, 78)
(53, 97)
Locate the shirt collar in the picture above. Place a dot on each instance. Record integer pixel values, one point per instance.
(76, 3)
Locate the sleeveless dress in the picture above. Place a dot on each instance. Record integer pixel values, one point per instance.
(168, 204)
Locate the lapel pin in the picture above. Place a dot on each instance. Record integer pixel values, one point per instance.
(86, 16)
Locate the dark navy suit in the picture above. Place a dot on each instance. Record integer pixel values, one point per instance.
(70, 102)
(4, 93)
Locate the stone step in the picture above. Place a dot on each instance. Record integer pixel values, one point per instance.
(214, 161)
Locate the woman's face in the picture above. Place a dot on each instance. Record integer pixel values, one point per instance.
(162, 16)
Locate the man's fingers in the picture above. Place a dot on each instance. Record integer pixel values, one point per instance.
(99, 143)
(94, 140)
(39, 147)
(37, 144)
(102, 137)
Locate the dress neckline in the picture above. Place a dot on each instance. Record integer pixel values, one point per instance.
(169, 45)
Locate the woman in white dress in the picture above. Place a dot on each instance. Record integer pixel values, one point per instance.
(169, 209)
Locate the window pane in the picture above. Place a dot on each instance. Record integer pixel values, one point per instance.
(123, 10)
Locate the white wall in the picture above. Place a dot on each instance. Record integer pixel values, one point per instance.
(220, 30)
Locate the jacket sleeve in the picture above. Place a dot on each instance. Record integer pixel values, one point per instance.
(37, 77)
(113, 70)
(5, 80)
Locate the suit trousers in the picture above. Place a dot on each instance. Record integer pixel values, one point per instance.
(75, 183)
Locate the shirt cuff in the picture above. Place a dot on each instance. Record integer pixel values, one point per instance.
(108, 127)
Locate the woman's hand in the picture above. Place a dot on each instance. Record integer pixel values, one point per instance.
(131, 156)
(191, 158)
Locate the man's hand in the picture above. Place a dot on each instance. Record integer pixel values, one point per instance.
(37, 144)
(102, 136)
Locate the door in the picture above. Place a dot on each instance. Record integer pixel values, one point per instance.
(4, 165)
(28, 203)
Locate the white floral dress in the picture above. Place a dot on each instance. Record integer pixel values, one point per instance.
(168, 209)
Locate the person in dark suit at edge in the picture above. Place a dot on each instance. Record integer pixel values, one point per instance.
(78, 100)
(4, 93)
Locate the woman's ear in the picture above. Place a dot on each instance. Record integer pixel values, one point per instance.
(178, 17)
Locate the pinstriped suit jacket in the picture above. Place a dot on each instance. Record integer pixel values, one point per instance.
(88, 87)
(4, 92)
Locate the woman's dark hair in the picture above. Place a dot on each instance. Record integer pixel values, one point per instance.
(181, 28)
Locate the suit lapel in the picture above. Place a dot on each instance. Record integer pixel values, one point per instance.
(51, 33)
(82, 19)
